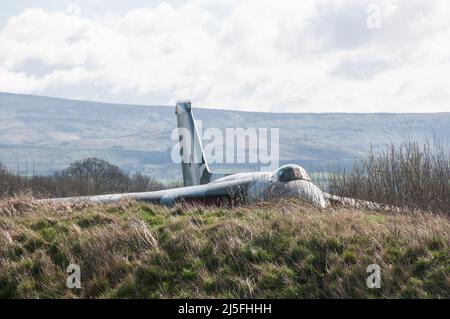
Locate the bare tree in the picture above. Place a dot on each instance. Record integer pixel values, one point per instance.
(97, 175)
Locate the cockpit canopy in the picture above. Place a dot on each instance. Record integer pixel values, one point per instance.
(290, 172)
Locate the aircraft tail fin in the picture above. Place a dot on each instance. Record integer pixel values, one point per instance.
(193, 162)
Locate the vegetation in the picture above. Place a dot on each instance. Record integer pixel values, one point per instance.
(410, 175)
(279, 250)
(90, 176)
(287, 249)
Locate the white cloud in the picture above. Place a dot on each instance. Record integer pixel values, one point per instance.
(255, 55)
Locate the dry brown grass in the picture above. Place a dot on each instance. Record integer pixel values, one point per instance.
(287, 249)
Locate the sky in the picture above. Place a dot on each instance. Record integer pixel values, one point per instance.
(255, 55)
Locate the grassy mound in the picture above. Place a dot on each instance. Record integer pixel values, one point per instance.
(279, 250)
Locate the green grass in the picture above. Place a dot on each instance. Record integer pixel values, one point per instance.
(278, 250)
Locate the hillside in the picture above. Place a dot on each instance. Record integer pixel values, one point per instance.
(49, 133)
(281, 250)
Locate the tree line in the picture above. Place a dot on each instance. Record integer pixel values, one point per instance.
(89, 176)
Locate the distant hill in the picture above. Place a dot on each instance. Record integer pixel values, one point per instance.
(52, 132)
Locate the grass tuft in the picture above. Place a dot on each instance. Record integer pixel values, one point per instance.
(278, 250)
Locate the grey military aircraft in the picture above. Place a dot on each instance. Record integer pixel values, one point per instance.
(288, 181)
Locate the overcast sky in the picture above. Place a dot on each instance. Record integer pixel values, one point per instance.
(259, 55)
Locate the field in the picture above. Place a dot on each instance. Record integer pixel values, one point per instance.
(287, 249)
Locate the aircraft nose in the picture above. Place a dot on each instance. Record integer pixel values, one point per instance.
(301, 189)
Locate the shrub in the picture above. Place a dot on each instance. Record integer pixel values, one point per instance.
(410, 175)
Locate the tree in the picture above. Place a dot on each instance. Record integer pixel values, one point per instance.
(142, 183)
(97, 175)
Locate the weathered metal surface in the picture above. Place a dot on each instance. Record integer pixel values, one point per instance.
(193, 163)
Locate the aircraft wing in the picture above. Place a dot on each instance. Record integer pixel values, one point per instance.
(208, 193)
